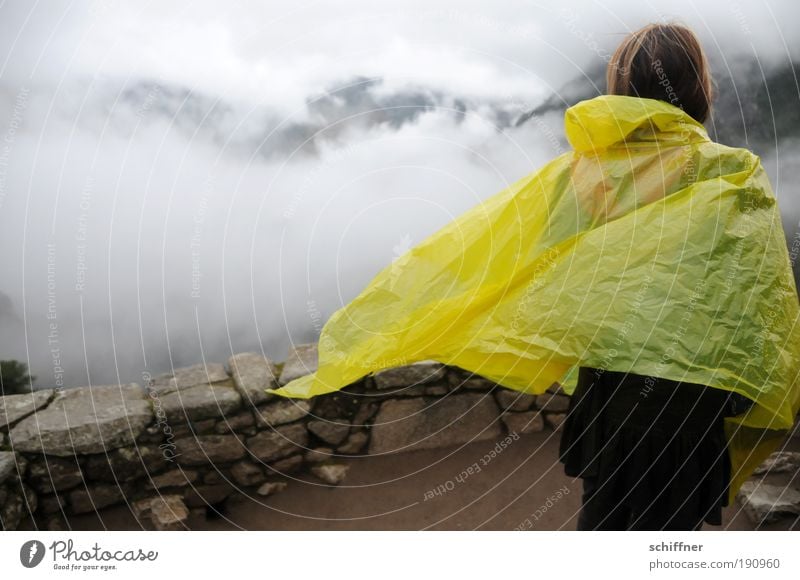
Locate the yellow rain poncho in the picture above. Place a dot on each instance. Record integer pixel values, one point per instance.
(648, 248)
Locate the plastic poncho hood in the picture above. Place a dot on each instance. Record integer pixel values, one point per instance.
(647, 248)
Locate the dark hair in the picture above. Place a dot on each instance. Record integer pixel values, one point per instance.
(664, 62)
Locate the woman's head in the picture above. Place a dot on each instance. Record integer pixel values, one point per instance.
(664, 62)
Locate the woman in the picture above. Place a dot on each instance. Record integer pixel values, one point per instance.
(646, 251)
(652, 453)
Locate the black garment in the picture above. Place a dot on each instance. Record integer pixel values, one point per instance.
(652, 452)
(595, 515)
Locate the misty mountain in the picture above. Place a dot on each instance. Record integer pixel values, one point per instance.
(753, 108)
(129, 163)
(247, 129)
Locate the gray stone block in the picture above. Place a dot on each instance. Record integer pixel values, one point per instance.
(286, 465)
(235, 424)
(162, 513)
(780, 462)
(281, 442)
(459, 378)
(201, 402)
(271, 487)
(174, 478)
(8, 465)
(50, 504)
(417, 373)
(318, 455)
(85, 420)
(555, 420)
(187, 377)
(51, 474)
(209, 449)
(514, 400)
(16, 407)
(302, 360)
(18, 504)
(332, 473)
(128, 463)
(765, 503)
(247, 473)
(169, 513)
(252, 374)
(331, 432)
(355, 443)
(96, 497)
(406, 424)
(553, 403)
(281, 412)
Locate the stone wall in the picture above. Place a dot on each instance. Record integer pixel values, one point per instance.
(209, 433)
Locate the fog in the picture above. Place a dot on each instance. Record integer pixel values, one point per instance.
(182, 182)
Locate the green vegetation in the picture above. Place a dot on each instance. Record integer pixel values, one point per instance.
(14, 378)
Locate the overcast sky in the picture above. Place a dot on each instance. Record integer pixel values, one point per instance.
(180, 181)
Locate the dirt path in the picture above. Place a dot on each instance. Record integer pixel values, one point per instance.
(389, 492)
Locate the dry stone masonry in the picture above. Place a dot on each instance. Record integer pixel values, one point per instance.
(190, 441)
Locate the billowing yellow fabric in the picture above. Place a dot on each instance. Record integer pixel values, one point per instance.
(647, 248)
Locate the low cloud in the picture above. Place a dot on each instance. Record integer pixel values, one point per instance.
(182, 182)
